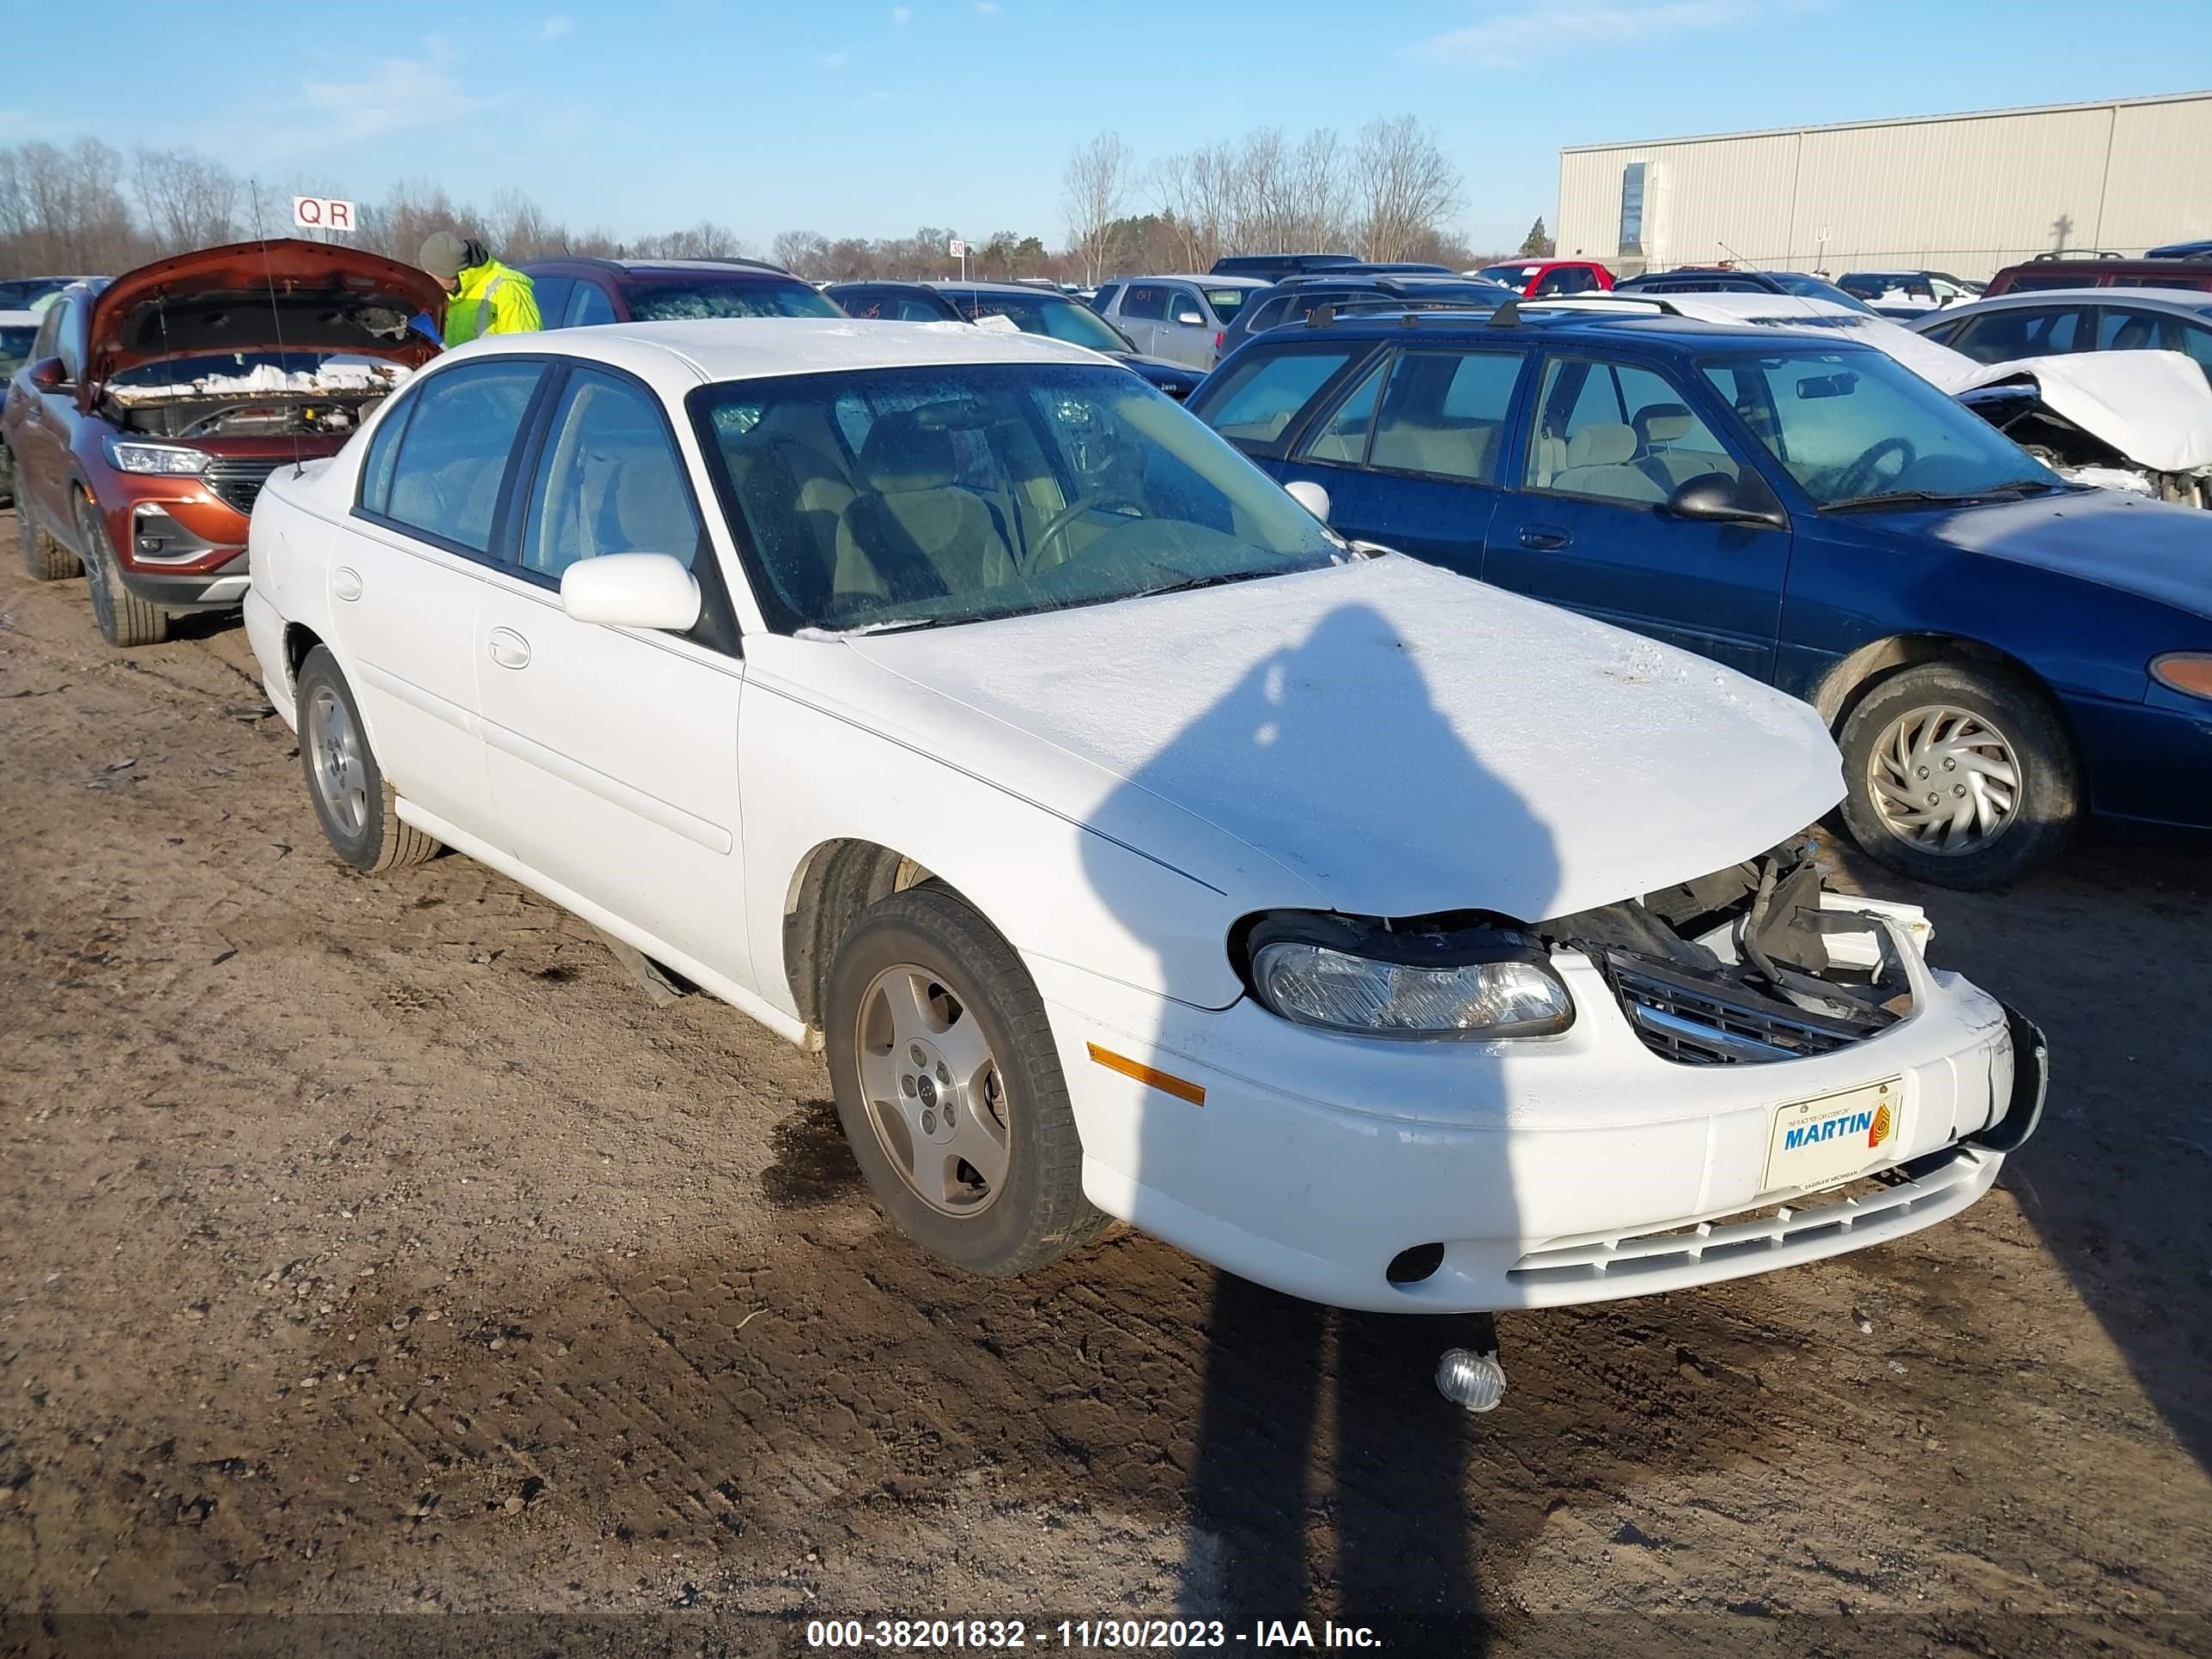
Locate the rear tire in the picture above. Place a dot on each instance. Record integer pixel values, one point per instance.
(1929, 740)
(987, 1055)
(44, 557)
(353, 802)
(123, 618)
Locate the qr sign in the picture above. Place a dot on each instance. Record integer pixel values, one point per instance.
(323, 213)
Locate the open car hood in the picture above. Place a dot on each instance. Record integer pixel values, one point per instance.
(283, 295)
(2155, 407)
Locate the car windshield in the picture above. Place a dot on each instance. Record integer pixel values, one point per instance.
(1857, 430)
(1511, 276)
(916, 497)
(25, 292)
(1817, 288)
(689, 299)
(1455, 293)
(1226, 301)
(16, 347)
(1049, 314)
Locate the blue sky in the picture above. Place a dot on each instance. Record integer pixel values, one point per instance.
(871, 119)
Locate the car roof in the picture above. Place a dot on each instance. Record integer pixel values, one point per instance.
(648, 267)
(1231, 279)
(941, 283)
(1536, 318)
(676, 356)
(2194, 300)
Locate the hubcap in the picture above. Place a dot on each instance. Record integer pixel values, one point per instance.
(933, 1092)
(334, 746)
(1945, 780)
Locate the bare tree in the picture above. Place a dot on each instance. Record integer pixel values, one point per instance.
(1321, 191)
(1403, 184)
(188, 201)
(804, 253)
(517, 229)
(1094, 189)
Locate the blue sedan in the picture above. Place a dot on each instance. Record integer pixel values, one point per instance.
(1998, 652)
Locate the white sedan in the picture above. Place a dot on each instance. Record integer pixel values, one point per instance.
(954, 702)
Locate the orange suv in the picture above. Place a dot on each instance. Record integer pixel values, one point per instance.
(152, 407)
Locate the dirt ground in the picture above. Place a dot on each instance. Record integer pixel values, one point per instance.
(372, 1248)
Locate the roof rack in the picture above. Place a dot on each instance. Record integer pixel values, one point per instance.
(1508, 314)
(2075, 253)
(1409, 312)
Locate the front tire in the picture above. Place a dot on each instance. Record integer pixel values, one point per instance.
(353, 802)
(125, 619)
(949, 1090)
(1959, 776)
(43, 557)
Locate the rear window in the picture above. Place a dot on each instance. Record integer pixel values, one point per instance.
(16, 347)
(689, 299)
(1226, 301)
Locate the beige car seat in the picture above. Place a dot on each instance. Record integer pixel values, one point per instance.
(1600, 461)
(912, 533)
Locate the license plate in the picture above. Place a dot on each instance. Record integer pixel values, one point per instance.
(1819, 1142)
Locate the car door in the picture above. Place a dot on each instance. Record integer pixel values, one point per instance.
(613, 751)
(1607, 443)
(409, 576)
(1412, 453)
(43, 424)
(1142, 310)
(1186, 333)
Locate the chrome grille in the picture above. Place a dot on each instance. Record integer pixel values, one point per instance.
(239, 482)
(1698, 1021)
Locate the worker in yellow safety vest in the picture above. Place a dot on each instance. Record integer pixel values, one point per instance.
(488, 297)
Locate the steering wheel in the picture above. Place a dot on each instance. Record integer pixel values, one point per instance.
(1861, 475)
(1074, 510)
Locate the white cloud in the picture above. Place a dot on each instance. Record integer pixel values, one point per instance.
(834, 60)
(397, 93)
(1510, 38)
(558, 24)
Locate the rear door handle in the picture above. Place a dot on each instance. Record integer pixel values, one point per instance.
(345, 582)
(1544, 537)
(509, 649)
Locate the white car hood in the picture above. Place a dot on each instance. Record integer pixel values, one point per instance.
(2155, 407)
(1390, 739)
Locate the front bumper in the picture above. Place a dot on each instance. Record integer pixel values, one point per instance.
(223, 588)
(1572, 1169)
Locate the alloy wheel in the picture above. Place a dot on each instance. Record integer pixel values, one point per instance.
(933, 1091)
(1945, 780)
(334, 744)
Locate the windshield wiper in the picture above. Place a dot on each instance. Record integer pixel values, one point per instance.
(1933, 497)
(1219, 579)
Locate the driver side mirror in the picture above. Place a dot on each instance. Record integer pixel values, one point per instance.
(1715, 498)
(1190, 319)
(631, 590)
(48, 374)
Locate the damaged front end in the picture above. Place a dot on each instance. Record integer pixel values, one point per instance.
(2017, 409)
(1752, 963)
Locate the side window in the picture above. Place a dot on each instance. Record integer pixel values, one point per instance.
(2121, 328)
(610, 481)
(445, 481)
(1618, 433)
(1343, 437)
(1104, 300)
(862, 302)
(588, 305)
(1182, 305)
(552, 296)
(2197, 340)
(1445, 413)
(1307, 300)
(1256, 404)
(67, 346)
(383, 451)
(1266, 316)
(1553, 283)
(1145, 301)
(49, 332)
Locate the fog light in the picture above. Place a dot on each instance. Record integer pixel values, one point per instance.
(1412, 1267)
(1475, 1381)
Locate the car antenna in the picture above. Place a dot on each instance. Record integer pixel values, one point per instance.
(276, 318)
(1748, 264)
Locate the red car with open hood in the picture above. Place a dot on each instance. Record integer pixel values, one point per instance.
(152, 407)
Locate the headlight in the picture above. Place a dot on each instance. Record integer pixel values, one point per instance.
(155, 458)
(2188, 672)
(1481, 983)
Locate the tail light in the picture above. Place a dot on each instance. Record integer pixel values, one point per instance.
(1218, 337)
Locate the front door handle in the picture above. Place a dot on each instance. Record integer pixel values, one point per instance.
(345, 582)
(509, 649)
(1544, 537)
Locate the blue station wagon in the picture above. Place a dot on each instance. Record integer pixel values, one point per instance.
(1998, 651)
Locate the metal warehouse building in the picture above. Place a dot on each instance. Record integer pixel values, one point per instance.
(1959, 193)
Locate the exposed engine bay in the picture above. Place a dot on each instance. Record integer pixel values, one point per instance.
(329, 402)
(1757, 961)
(2079, 456)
